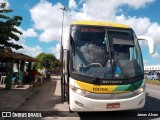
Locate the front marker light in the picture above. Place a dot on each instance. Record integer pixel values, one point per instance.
(79, 104)
(141, 89)
(79, 91)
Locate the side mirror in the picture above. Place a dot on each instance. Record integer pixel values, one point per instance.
(150, 43)
(66, 45)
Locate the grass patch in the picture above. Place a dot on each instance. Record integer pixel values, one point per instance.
(153, 82)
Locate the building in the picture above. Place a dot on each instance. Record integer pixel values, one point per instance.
(152, 68)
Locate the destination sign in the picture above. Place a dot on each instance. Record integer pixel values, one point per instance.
(86, 29)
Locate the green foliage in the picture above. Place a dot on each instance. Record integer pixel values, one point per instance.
(46, 60)
(8, 28)
(153, 82)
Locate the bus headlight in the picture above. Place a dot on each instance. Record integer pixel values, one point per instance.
(79, 91)
(141, 89)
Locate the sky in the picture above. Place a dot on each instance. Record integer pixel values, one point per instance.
(42, 21)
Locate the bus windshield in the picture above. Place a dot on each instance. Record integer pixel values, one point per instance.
(105, 53)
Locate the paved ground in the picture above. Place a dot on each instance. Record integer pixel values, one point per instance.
(40, 98)
(10, 100)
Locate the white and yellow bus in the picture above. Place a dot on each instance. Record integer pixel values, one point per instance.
(102, 67)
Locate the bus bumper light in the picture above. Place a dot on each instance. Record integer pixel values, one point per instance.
(79, 104)
(141, 101)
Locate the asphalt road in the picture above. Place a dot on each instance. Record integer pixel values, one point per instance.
(153, 98)
(48, 99)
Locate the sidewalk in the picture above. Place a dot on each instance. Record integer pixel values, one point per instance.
(10, 100)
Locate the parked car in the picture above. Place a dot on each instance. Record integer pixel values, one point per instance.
(153, 76)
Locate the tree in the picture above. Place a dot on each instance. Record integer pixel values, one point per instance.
(46, 60)
(8, 28)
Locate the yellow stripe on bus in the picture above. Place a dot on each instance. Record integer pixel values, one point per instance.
(99, 23)
(96, 88)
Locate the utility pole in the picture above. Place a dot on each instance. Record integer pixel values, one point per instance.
(61, 46)
(61, 59)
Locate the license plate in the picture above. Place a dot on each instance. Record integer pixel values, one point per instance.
(113, 105)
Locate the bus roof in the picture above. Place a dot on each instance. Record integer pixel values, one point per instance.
(99, 23)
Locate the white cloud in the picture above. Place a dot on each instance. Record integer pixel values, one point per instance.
(50, 35)
(136, 4)
(30, 32)
(72, 4)
(31, 51)
(48, 18)
(45, 16)
(56, 51)
(54, 34)
(97, 10)
(106, 9)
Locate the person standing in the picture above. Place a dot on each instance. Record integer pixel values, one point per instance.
(33, 74)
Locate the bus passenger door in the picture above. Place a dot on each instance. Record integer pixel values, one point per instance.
(64, 78)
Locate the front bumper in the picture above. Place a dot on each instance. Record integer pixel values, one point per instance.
(81, 103)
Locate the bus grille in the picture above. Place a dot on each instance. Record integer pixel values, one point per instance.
(111, 96)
